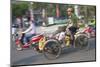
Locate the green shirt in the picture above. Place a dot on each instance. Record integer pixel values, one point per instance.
(74, 20)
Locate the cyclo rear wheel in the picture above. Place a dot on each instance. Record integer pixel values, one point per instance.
(81, 41)
(52, 49)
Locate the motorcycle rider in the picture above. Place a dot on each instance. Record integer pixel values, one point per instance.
(29, 32)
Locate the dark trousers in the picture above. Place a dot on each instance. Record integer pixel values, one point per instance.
(73, 31)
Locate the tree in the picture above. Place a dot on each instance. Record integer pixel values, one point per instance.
(87, 11)
(19, 9)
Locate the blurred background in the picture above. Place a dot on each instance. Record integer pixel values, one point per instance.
(45, 14)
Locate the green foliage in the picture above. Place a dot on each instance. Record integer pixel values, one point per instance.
(19, 9)
(51, 9)
(37, 5)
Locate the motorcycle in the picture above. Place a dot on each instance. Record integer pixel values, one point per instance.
(33, 42)
(90, 30)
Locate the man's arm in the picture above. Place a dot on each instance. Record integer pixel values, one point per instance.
(28, 29)
(69, 23)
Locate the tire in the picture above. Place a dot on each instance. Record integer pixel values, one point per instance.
(52, 49)
(81, 41)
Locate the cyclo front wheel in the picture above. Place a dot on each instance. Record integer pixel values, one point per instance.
(52, 49)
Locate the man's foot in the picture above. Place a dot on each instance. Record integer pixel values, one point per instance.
(26, 46)
(73, 45)
(19, 49)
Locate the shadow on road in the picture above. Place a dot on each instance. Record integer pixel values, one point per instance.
(28, 60)
(39, 57)
(70, 50)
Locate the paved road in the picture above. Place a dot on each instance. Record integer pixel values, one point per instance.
(29, 56)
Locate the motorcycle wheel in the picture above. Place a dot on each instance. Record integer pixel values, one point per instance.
(52, 49)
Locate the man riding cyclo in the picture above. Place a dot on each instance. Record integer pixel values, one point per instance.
(72, 24)
(69, 30)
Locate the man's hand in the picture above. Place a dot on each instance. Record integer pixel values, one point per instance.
(22, 32)
(19, 32)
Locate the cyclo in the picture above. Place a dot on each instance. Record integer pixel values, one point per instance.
(52, 47)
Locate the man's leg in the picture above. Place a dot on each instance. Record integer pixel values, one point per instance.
(72, 32)
(22, 39)
(28, 36)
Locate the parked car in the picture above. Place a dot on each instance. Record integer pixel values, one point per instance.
(38, 21)
(60, 20)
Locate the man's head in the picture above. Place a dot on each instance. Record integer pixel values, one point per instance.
(69, 11)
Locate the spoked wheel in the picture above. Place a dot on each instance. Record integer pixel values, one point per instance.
(52, 49)
(81, 42)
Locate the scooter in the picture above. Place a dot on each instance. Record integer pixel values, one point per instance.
(33, 42)
(90, 31)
